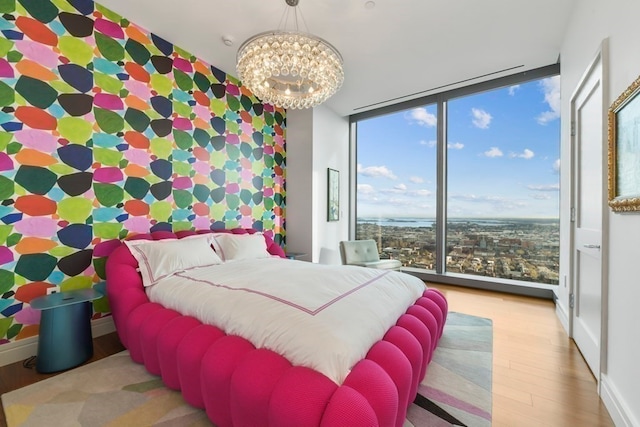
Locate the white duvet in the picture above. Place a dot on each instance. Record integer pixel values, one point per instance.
(320, 316)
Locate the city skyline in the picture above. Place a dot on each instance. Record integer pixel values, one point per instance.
(503, 157)
(518, 249)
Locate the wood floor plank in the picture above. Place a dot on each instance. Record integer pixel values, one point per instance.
(512, 393)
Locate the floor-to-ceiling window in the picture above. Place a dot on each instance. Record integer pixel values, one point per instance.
(396, 187)
(466, 182)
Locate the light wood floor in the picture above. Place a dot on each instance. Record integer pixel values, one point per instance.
(539, 376)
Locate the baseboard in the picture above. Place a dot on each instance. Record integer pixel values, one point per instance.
(22, 349)
(615, 404)
(563, 316)
(517, 287)
(102, 326)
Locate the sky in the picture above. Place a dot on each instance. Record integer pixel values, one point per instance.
(503, 157)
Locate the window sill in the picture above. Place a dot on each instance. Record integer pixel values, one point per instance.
(517, 287)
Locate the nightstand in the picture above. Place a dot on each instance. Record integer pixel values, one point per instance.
(65, 339)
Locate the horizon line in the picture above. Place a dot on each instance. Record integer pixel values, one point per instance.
(457, 217)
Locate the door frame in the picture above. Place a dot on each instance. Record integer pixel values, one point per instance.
(601, 57)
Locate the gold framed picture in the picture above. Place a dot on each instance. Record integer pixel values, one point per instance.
(624, 151)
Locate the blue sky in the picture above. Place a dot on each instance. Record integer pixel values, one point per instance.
(503, 157)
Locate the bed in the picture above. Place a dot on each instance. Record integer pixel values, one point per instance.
(288, 374)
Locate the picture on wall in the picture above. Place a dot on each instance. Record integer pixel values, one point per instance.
(624, 151)
(333, 201)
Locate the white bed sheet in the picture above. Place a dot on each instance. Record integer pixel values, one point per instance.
(320, 316)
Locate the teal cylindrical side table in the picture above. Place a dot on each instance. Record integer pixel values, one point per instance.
(65, 339)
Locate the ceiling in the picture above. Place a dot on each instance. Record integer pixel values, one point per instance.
(394, 51)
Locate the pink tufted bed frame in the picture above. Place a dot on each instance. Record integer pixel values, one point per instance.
(240, 385)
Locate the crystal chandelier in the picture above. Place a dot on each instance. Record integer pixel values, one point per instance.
(290, 69)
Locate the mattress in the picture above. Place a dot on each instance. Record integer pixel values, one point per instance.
(320, 316)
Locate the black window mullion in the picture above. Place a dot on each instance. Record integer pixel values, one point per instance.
(441, 188)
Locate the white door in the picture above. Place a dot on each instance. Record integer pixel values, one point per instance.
(589, 143)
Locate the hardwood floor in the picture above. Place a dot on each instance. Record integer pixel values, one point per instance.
(539, 376)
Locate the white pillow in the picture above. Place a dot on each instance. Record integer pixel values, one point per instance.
(240, 246)
(158, 259)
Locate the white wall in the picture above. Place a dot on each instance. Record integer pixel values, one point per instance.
(593, 21)
(317, 139)
(330, 150)
(299, 183)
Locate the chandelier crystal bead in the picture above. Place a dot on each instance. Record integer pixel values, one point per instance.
(290, 69)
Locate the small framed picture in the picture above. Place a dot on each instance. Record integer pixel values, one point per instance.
(333, 195)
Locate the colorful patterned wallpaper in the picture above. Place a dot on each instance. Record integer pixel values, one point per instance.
(108, 130)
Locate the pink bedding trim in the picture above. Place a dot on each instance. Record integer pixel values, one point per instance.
(287, 302)
(338, 298)
(155, 280)
(147, 265)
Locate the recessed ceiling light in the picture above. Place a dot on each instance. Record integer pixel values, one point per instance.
(370, 5)
(228, 41)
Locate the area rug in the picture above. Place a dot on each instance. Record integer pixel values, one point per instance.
(115, 391)
(458, 384)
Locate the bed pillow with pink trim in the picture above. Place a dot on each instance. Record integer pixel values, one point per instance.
(158, 259)
(240, 246)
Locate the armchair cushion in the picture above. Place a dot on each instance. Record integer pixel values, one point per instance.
(384, 264)
(365, 253)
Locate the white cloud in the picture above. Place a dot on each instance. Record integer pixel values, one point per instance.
(390, 206)
(397, 189)
(549, 187)
(420, 193)
(393, 191)
(422, 117)
(481, 118)
(376, 172)
(402, 190)
(526, 154)
(366, 189)
(513, 89)
(451, 145)
(547, 117)
(494, 152)
(556, 166)
(431, 143)
(397, 201)
(497, 202)
(541, 196)
(551, 89)
(416, 180)
(466, 197)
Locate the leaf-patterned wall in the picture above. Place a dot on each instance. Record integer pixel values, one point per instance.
(109, 130)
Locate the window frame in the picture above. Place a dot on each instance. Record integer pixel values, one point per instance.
(440, 99)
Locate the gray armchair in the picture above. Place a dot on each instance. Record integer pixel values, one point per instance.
(365, 254)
